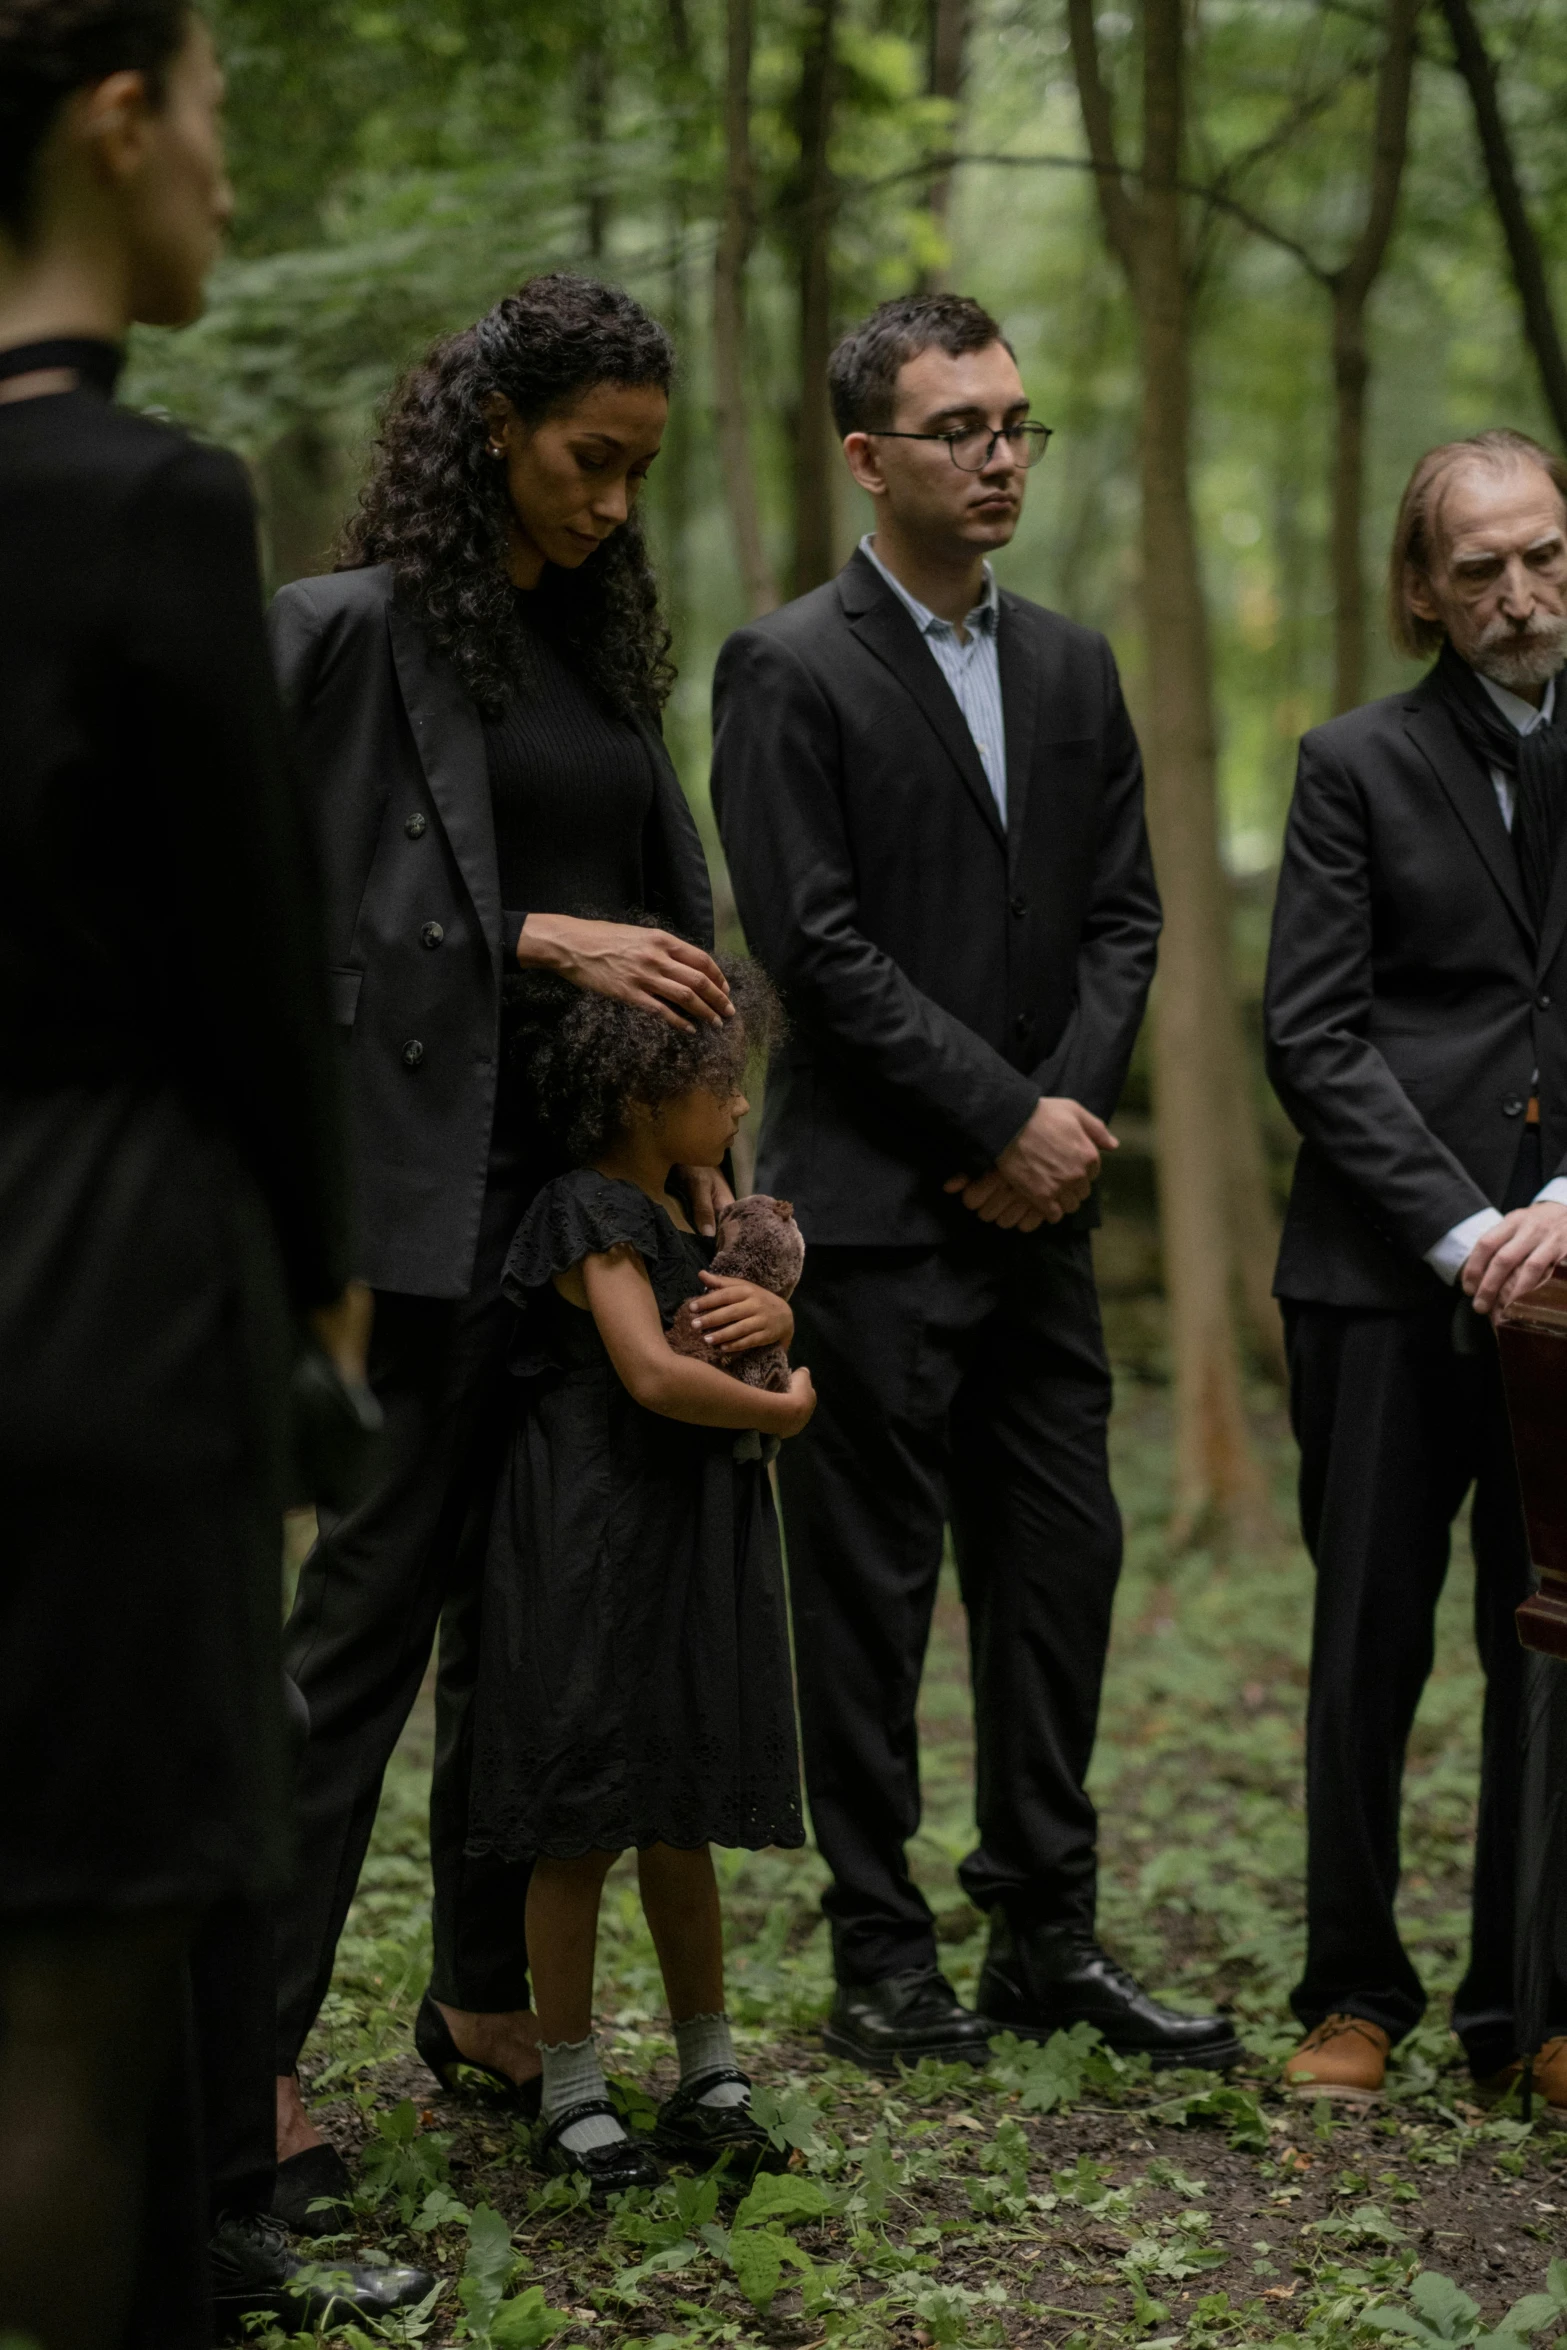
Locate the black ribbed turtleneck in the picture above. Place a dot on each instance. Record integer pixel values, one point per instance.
(95, 363)
(572, 788)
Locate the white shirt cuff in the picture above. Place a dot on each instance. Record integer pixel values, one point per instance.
(1451, 1252)
(1555, 1192)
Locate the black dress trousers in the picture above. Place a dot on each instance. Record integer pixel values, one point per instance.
(1394, 1429)
(1399, 1415)
(965, 1384)
(372, 1592)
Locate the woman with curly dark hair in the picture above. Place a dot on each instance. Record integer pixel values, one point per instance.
(476, 693)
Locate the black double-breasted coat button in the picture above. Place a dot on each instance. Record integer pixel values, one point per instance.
(1512, 1105)
(413, 1053)
(1020, 906)
(415, 825)
(431, 935)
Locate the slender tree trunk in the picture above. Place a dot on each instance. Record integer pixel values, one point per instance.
(304, 496)
(948, 21)
(1351, 373)
(593, 131)
(1351, 288)
(736, 461)
(814, 551)
(1202, 1110)
(1523, 245)
(674, 468)
(1195, 1050)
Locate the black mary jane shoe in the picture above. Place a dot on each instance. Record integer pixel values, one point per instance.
(254, 2274)
(689, 2131)
(433, 2039)
(1043, 1979)
(902, 2018)
(609, 2170)
(319, 2175)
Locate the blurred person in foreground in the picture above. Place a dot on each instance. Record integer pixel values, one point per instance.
(932, 804)
(171, 1189)
(1417, 1036)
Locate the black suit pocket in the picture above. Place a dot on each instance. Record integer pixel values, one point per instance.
(343, 991)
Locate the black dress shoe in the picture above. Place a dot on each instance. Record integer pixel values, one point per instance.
(319, 2174)
(902, 2018)
(689, 2131)
(254, 2274)
(610, 2169)
(1044, 1979)
(433, 2039)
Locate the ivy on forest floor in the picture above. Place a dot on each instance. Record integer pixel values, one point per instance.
(1063, 2196)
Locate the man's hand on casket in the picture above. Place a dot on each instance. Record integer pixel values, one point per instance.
(1515, 1256)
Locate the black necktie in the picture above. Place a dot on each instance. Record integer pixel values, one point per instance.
(1537, 765)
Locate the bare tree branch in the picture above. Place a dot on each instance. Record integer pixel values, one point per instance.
(1351, 285)
(729, 376)
(1395, 75)
(1523, 246)
(1116, 207)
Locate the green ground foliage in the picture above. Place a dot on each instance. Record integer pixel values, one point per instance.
(1061, 2197)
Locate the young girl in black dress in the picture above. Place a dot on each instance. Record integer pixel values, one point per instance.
(634, 1688)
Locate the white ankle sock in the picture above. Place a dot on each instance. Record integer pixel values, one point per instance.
(704, 2044)
(572, 2074)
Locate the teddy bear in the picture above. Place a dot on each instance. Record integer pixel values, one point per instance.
(758, 1240)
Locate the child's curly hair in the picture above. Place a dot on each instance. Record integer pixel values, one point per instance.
(587, 1058)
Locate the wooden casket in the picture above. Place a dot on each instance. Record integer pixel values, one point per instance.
(1532, 1339)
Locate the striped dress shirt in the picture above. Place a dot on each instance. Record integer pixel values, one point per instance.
(972, 669)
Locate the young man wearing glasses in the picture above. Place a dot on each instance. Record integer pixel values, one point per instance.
(931, 802)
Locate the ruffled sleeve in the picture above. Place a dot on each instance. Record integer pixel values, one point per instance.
(582, 1215)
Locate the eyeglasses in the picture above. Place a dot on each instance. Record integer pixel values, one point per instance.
(972, 449)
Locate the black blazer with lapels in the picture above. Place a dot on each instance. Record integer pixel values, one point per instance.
(391, 746)
(1409, 1003)
(941, 971)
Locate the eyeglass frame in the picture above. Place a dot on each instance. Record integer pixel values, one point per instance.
(1002, 432)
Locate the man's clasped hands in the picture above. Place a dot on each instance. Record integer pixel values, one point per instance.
(1049, 1168)
(1046, 1170)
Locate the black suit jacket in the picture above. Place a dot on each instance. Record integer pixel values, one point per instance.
(1409, 1003)
(941, 971)
(392, 749)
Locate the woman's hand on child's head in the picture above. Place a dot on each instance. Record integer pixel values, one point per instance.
(706, 1193)
(736, 1316)
(798, 1404)
(650, 968)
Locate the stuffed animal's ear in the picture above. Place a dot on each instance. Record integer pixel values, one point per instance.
(783, 1209)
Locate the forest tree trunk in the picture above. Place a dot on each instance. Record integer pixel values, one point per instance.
(1202, 1108)
(1523, 246)
(1351, 287)
(731, 400)
(815, 556)
(1194, 1008)
(1351, 372)
(948, 43)
(674, 470)
(593, 131)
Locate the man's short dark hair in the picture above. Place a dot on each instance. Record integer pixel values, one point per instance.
(862, 374)
(48, 48)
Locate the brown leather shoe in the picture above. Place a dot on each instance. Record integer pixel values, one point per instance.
(1550, 2072)
(1345, 2057)
(1550, 2081)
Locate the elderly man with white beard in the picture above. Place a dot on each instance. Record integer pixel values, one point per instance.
(1417, 1036)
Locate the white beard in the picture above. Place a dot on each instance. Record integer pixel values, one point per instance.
(1520, 662)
